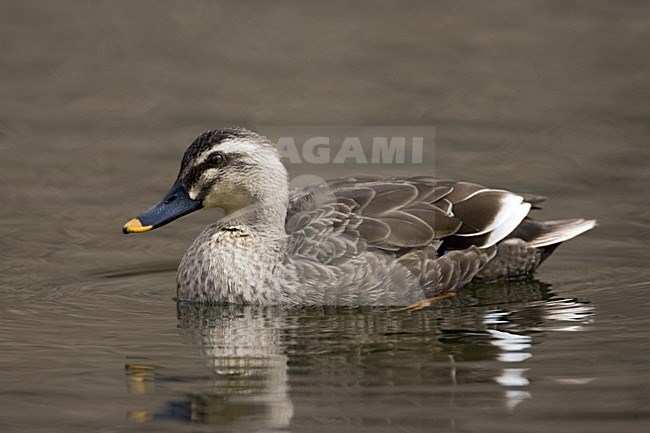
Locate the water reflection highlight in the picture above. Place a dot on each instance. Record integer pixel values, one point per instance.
(270, 367)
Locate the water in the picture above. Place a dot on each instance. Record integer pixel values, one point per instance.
(98, 102)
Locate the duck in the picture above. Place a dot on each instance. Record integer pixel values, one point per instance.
(355, 241)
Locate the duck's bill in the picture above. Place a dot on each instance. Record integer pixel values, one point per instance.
(174, 205)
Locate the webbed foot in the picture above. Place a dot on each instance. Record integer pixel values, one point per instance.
(425, 302)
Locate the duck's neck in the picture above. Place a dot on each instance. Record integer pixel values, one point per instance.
(235, 260)
(267, 216)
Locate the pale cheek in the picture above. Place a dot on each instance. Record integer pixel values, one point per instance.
(214, 199)
(227, 199)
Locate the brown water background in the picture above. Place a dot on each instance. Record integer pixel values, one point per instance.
(98, 100)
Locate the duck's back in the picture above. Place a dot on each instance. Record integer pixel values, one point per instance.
(389, 241)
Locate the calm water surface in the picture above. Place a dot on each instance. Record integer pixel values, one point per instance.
(98, 102)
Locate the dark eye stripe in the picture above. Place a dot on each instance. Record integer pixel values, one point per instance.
(193, 175)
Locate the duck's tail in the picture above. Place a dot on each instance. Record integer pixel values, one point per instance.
(529, 245)
(555, 232)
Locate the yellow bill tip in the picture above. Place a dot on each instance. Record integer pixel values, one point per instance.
(135, 226)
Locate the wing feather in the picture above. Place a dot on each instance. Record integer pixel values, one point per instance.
(401, 214)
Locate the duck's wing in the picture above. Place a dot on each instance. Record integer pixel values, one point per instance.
(403, 213)
(320, 227)
(441, 274)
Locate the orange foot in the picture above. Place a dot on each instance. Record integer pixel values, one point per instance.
(425, 302)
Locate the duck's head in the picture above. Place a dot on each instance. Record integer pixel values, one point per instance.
(230, 168)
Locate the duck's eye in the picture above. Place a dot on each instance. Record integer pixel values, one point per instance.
(215, 160)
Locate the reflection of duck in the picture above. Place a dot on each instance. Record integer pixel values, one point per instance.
(357, 241)
(249, 366)
(270, 367)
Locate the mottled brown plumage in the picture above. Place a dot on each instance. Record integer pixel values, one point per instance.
(354, 241)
